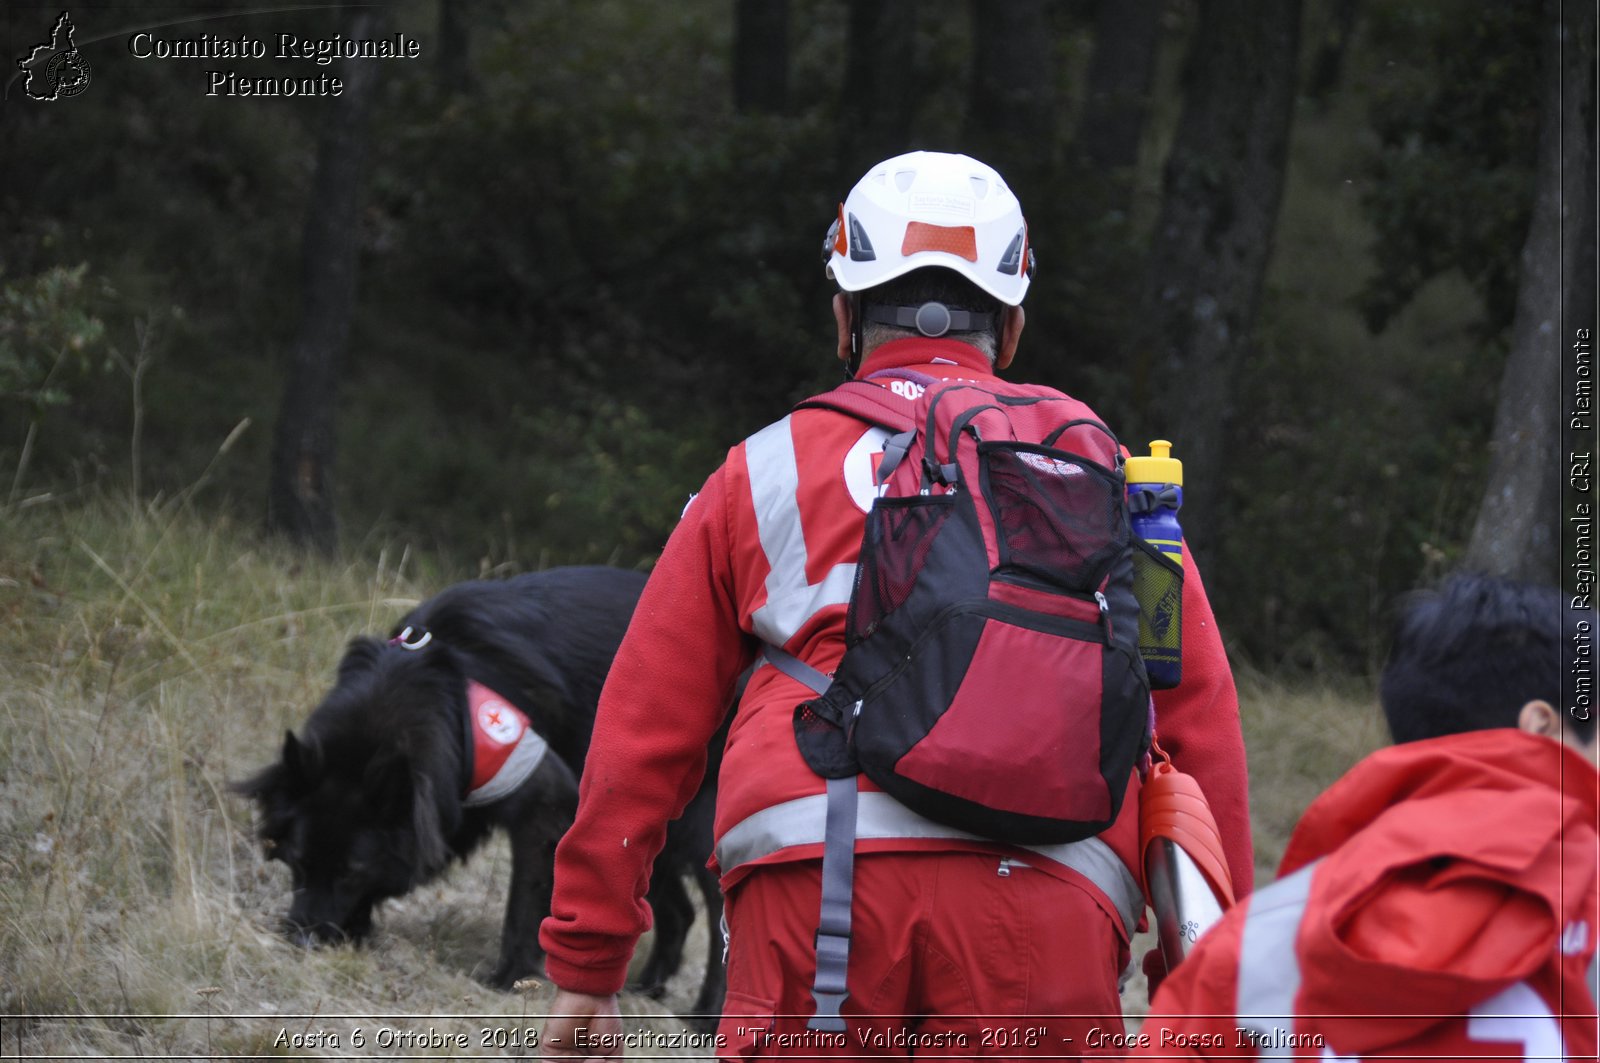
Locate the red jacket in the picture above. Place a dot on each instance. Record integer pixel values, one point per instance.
(1439, 901)
(728, 579)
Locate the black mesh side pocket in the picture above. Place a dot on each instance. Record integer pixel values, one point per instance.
(894, 549)
(824, 745)
(1158, 586)
(1058, 517)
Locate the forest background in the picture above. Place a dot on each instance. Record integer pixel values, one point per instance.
(511, 300)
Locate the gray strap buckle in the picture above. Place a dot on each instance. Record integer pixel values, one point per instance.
(833, 959)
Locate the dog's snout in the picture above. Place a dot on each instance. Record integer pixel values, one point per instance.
(315, 935)
(300, 936)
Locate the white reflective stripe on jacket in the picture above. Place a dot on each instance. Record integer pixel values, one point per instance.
(774, 485)
(1269, 967)
(1269, 979)
(880, 816)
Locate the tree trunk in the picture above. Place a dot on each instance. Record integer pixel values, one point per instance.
(761, 56)
(1125, 38)
(1223, 183)
(1517, 531)
(880, 84)
(1327, 68)
(300, 499)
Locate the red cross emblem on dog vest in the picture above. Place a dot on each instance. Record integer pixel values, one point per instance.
(505, 747)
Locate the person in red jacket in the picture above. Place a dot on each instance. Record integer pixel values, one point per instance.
(959, 944)
(1439, 901)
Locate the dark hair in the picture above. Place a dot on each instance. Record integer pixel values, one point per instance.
(934, 285)
(1469, 655)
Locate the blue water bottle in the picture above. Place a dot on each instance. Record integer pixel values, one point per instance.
(1155, 491)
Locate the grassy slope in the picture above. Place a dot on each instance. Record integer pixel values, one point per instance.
(152, 656)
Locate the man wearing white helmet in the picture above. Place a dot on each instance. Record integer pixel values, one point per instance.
(959, 945)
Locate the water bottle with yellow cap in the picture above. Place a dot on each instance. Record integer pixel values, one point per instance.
(1155, 491)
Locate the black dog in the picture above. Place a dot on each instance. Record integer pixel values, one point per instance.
(395, 773)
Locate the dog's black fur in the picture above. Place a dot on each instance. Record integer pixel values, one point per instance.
(366, 804)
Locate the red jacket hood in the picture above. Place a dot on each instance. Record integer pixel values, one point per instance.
(1452, 868)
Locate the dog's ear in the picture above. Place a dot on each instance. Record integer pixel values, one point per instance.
(291, 756)
(387, 784)
(402, 795)
(290, 770)
(433, 851)
(360, 656)
(259, 785)
(302, 761)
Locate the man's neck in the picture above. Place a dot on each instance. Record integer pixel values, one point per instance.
(921, 351)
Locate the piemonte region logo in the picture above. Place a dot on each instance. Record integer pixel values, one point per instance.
(55, 70)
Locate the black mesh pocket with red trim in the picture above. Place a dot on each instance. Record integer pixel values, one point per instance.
(894, 550)
(1059, 518)
(825, 745)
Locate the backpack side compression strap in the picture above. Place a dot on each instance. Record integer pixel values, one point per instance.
(828, 988)
(796, 669)
(838, 888)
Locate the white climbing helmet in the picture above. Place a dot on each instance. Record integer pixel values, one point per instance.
(929, 208)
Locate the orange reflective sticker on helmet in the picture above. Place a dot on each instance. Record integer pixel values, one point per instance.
(841, 243)
(958, 240)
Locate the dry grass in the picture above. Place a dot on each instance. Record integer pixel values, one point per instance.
(1300, 739)
(152, 657)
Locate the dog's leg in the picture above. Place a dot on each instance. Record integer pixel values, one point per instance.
(708, 1005)
(674, 914)
(537, 815)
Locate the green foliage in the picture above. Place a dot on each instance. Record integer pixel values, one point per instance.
(584, 275)
(1456, 114)
(50, 332)
(1357, 474)
(570, 475)
(1357, 458)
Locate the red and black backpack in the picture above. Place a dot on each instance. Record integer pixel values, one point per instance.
(991, 679)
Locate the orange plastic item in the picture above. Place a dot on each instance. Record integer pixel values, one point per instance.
(1171, 805)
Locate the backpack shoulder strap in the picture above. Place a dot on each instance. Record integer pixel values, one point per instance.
(872, 402)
